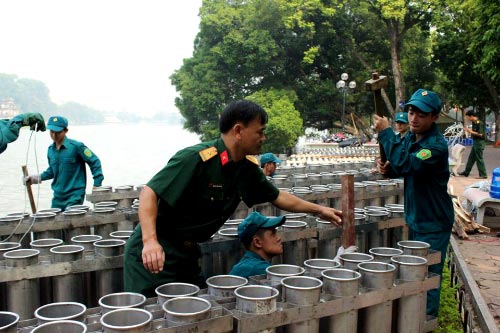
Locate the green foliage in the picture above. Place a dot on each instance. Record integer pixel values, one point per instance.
(285, 124)
(449, 317)
(466, 52)
(33, 96)
(80, 114)
(29, 95)
(485, 41)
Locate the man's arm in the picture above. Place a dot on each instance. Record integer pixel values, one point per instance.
(153, 256)
(291, 203)
(94, 164)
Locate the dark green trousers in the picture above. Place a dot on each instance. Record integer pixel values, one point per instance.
(181, 265)
(476, 156)
(439, 242)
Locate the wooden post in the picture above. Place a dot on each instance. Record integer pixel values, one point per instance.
(348, 227)
(28, 188)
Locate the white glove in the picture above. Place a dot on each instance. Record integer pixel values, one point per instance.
(341, 250)
(34, 179)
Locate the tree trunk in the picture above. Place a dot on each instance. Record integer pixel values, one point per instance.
(496, 101)
(399, 85)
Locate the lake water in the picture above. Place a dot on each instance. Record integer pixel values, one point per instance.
(130, 154)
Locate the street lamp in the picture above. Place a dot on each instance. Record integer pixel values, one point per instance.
(341, 85)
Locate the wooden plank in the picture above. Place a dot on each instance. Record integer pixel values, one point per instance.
(348, 226)
(62, 268)
(28, 189)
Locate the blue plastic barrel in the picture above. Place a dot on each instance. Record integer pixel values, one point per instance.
(495, 184)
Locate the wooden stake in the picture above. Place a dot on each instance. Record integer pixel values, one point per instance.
(28, 188)
(348, 227)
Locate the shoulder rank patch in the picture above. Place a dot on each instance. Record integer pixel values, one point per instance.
(87, 152)
(252, 159)
(208, 153)
(424, 154)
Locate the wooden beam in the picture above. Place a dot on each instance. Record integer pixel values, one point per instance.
(348, 226)
(28, 188)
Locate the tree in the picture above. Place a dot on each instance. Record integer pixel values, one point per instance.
(285, 125)
(400, 17)
(80, 114)
(463, 53)
(29, 95)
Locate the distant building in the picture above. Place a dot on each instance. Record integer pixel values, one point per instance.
(8, 108)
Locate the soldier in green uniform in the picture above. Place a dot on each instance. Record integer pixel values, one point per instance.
(195, 193)
(9, 129)
(421, 157)
(478, 134)
(67, 159)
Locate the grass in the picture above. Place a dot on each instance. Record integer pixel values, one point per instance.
(449, 320)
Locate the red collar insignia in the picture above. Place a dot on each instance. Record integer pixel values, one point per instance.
(224, 158)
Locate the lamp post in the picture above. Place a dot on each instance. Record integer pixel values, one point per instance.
(344, 88)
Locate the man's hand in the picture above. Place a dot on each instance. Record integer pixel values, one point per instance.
(331, 214)
(381, 123)
(153, 256)
(383, 167)
(34, 179)
(34, 120)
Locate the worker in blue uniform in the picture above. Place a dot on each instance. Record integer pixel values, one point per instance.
(67, 159)
(9, 128)
(422, 159)
(258, 235)
(268, 162)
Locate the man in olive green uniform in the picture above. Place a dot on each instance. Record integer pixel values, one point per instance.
(195, 193)
(476, 154)
(67, 159)
(421, 157)
(9, 129)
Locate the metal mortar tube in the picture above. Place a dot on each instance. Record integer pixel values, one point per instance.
(411, 309)
(66, 326)
(335, 202)
(109, 280)
(321, 189)
(89, 278)
(359, 194)
(46, 217)
(326, 245)
(71, 215)
(341, 282)
(302, 291)
(400, 184)
(67, 288)
(5, 247)
(414, 248)
(8, 322)
(258, 300)
(386, 187)
(372, 188)
(351, 260)
(23, 295)
(44, 246)
(294, 252)
(127, 320)
(377, 276)
(384, 254)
